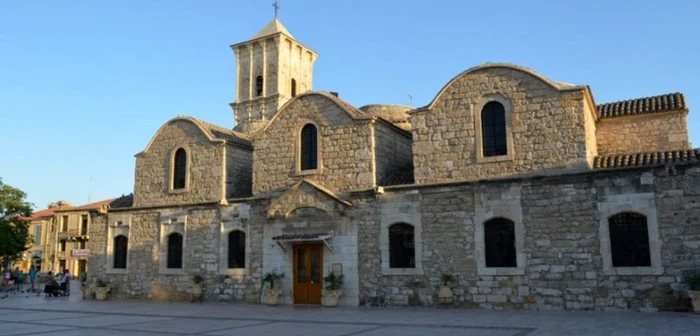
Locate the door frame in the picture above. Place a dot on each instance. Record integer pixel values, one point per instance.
(295, 262)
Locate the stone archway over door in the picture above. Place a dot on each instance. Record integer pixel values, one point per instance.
(308, 273)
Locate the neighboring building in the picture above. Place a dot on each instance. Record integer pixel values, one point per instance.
(66, 240)
(41, 223)
(523, 188)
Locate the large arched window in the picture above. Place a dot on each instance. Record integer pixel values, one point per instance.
(180, 169)
(259, 86)
(499, 243)
(121, 244)
(294, 88)
(493, 129)
(309, 147)
(174, 250)
(629, 240)
(402, 247)
(236, 249)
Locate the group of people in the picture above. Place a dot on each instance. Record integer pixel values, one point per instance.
(54, 284)
(15, 280)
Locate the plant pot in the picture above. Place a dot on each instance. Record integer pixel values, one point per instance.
(331, 297)
(196, 291)
(273, 296)
(695, 298)
(445, 295)
(101, 293)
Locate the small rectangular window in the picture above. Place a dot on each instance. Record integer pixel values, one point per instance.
(37, 235)
(83, 225)
(629, 240)
(64, 224)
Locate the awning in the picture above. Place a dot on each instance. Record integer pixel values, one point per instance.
(304, 237)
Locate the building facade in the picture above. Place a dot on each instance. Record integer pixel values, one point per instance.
(61, 234)
(41, 223)
(524, 189)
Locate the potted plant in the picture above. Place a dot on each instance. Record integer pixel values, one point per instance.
(101, 290)
(334, 289)
(197, 287)
(273, 294)
(445, 295)
(693, 283)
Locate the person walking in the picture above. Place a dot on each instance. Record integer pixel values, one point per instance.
(32, 278)
(65, 282)
(19, 281)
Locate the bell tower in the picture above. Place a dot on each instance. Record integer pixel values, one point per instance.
(271, 68)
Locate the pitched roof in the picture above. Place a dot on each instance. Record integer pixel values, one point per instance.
(274, 27)
(213, 132)
(89, 206)
(122, 202)
(223, 133)
(648, 159)
(49, 212)
(656, 104)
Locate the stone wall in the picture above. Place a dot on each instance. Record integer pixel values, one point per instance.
(643, 133)
(590, 114)
(145, 279)
(392, 151)
(344, 151)
(239, 172)
(547, 127)
(343, 250)
(564, 259)
(153, 184)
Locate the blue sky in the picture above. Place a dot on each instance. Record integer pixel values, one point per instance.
(84, 85)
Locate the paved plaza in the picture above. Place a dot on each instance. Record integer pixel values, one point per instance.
(22, 315)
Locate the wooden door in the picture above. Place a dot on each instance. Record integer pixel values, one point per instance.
(308, 273)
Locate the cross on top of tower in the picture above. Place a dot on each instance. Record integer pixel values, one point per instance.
(276, 6)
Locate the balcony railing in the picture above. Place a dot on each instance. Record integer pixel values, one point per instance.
(72, 234)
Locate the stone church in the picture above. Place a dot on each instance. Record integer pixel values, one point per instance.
(521, 187)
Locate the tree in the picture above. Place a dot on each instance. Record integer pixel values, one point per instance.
(14, 222)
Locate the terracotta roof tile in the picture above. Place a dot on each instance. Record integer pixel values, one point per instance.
(656, 104)
(49, 212)
(90, 206)
(648, 159)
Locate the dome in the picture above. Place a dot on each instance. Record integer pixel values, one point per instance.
(396, 114)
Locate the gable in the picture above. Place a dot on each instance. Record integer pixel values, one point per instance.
(307, 199)
(322, 107)
(197, 130)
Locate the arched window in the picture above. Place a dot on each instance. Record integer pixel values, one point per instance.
(175, 250)
(629, 240)
(309, 147)
(236, 249)
(121, 244)
(294, 87)
(259, 86)
(499, 243)
(493, 129)
(402, 247)
(180, 169)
